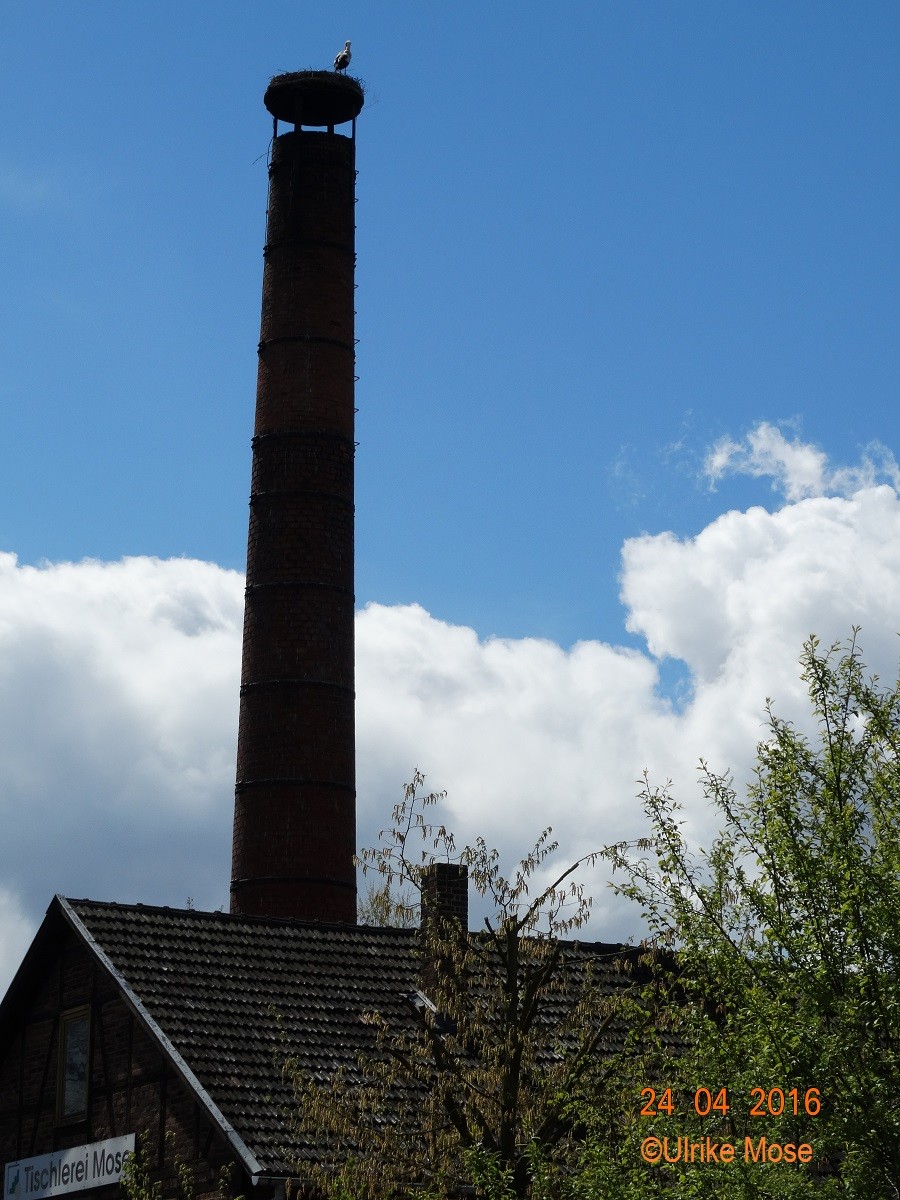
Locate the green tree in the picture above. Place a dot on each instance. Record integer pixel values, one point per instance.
(773, 986)
(787, 936)
(141, 1181)
(516, 1022)
(382, 906)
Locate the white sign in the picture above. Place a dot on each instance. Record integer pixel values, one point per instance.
(74, 1170)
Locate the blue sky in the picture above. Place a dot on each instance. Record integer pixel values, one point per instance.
(627, 289)
(593, 238)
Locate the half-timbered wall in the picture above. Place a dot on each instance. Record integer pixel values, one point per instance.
(132, 1088)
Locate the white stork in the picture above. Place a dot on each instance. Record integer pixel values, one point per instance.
(342, 60)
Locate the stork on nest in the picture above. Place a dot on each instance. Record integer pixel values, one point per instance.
(342, 60)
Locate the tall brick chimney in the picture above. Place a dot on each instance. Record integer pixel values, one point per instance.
(295, 796)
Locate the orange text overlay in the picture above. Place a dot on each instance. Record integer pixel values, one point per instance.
(761, 1102)
(708, 1150)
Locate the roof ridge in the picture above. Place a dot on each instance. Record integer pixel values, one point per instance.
(238, 918)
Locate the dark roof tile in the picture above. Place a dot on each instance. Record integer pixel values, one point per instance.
(234, 994)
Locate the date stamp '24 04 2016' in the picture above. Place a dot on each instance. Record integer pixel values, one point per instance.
(766, 1102)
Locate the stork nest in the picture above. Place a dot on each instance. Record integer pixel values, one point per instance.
(314, 97)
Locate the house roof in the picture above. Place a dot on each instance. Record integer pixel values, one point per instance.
(228, 997)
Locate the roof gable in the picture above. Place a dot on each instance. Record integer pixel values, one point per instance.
(228, 996)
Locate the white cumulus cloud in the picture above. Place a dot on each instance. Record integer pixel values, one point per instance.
(16, 930)
(118, 701)
(119, 692)
(797, 469)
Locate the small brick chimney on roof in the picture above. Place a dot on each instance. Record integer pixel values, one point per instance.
(445, 893)
(295, 794)
(444, 911)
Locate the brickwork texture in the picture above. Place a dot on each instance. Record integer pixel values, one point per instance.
(295, 800)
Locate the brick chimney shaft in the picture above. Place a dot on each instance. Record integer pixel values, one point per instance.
(443, 917)
(445, 893)
(295, 797)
